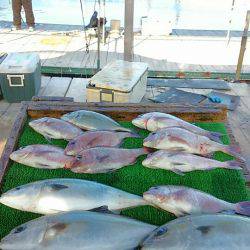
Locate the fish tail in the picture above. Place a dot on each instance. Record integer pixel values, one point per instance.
(232, 150)
(214, 136)
(146, 150)
(243, 208)
(233, 165)
(122, 129)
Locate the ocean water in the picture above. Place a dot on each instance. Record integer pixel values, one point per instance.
(184, 14)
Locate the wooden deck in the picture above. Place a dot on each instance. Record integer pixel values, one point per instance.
(75, 87)
(180, 52)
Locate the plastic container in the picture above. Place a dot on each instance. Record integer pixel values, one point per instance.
(20, 76)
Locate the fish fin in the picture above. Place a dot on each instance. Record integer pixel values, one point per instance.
(53, 230)
(230, 211)
(134, 135)
(214, 136)
(243, 208)
(177, 149)
(102, 158)
(102, 209)
(177, 172)
(41, 165)
(116, 211)
(233, 165)
(57, 187)
(234, 151)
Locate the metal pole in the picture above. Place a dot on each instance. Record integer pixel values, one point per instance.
(98, 37)
(128, 30)
(103, 27)
(242, 47)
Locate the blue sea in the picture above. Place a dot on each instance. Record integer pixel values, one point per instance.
(184, 14)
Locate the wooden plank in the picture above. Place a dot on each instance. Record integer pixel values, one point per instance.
(57, 86)
(12, 140)
(242, 47)
(77, 89)
(128, 30)
(191, 113)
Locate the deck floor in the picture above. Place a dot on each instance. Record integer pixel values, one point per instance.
(75, 87)
(180, 52)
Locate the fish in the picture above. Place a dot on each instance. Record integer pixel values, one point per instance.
(91, 139)
(181, 200)
(77, 230)
(179, 139)
(201, 232)
(89, 120)
(105, 159)
(42, 156)
(181, 162)
(154, 121)
(55, 128)
(62, 195)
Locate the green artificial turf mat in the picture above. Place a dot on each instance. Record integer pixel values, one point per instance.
(225, 184)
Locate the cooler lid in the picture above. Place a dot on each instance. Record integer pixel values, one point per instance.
(20, 63)
(119, 75)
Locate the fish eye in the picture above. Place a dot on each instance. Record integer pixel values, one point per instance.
(19, 229)
(79, 157)
(17, 188)
(73, 143)
(161, 231)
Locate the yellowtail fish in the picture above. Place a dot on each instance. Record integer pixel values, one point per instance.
(77, 230)
(90, 120)
(62, 195)
(201, 232)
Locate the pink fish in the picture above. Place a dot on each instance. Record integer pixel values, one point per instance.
(178, 139)
(92, 139)
(181, 200)
(156, 120)
(181, 162)
(42, 156)
(55, 128)
(105, 159)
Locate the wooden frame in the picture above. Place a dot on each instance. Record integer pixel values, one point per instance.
(119, 112)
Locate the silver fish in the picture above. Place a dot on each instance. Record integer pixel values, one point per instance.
(42, 156)
(105, 159)
(178, 139)
(201, 232)
(181, 200)
(156, 120)
(181, 162)
(62, 195)
(91, 139)
(77, 230)
(90, 120)
(55, 128)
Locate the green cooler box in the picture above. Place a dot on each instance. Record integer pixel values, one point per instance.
(20, 76)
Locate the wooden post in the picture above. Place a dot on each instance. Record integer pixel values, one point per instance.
(128, 30)
(242, 47)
